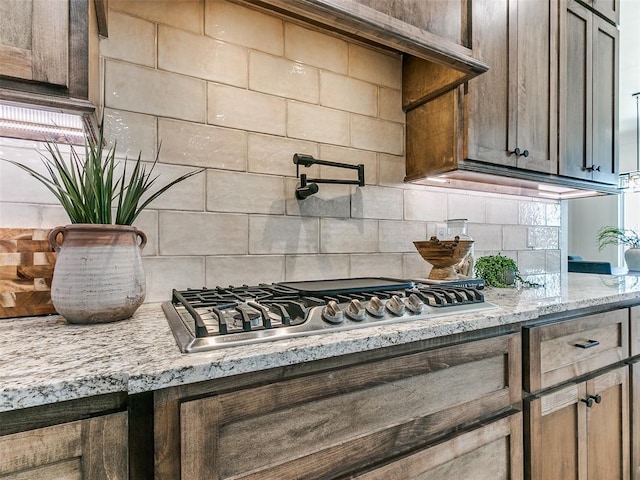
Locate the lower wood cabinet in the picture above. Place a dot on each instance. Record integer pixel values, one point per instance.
(580, 431)
(491, 452)
(346, 420)
(91, 449)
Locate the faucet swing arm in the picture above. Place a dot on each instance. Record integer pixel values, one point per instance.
(309, 186)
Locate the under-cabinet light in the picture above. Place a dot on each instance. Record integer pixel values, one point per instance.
(37, 124)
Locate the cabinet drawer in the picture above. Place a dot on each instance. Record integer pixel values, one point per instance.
(567, 349)
(331, 423)
(487, 453)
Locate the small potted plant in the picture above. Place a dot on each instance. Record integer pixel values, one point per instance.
(622, 236)
(98, 276)
(500, 271)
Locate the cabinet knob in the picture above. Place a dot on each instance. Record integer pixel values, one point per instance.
(588, 401)
(517, 152)
(592, 398)
(593, 168)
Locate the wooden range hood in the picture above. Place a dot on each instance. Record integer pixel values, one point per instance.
(444, 63)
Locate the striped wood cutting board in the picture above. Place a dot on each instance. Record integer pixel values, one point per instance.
(26, 269)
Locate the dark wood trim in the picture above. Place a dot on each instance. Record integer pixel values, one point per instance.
(14, 421)
(102, 15)
(141, 441)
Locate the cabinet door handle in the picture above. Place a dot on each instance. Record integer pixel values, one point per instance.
(590, 399)
(525, 153)
(517, 151)
(593, 168)
(589, 344)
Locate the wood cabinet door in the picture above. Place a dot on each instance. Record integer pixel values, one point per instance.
(605, 101)
(533, 77)
(491, 452)
(608, 426)
(330, 424)
(580, 432)
(555, 434)
(34, 40)
(91, 449)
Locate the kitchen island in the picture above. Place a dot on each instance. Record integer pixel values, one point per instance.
(135, 365)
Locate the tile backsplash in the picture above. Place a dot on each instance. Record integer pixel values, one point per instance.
(238, 91)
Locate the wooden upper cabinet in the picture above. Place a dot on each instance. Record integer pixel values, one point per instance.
(49, 53)
(33, 40)
(513, 107)
(609, 9)
(589, 99)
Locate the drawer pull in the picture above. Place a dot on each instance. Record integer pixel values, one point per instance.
(589, 344)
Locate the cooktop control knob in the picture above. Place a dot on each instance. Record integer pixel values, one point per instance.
(355, 310)
(375, 307)
(396, 306)
(414, 304)
(332, 313)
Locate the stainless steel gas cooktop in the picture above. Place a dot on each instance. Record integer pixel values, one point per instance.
(206, 319)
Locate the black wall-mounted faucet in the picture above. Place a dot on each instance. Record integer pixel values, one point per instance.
(309, 186)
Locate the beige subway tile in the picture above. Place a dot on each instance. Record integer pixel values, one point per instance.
(29, 215)
(130, 39)
(244, 270)
(184, 14)
(185, 195)
(245, 193)
(397, 236)
(532, 262)
(390, 105)
(377, 202)
(189, 233)
(329, 201)
(184, 272)
(18, 143)
(349, 156)
(554, 261)
(147, 221)
(320, 124)
(348, 235)
(202, 145)
(316, 267)
(414, 266)
(274, 155)
(350, 94)
(375, 67)
(315, 48)
(284, 78)
(274, 234)
(377, 135)
(246, 110)
(554, 218)
(546, 238)
(425, 205)
(201, 57)
(378, 265)
(486, 237)
(134, 134)
(502, 211)
(392, 170)
(532, 213)
(471, 207)
(514, 237)
(144, 90)
(243, 26)
(18, 186)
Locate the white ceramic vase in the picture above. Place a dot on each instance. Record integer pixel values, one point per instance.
(98, 275)
(632, 258)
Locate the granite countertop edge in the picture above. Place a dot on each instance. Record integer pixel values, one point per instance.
(64, 362)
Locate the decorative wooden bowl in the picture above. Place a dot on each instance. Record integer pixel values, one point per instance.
(443, 255)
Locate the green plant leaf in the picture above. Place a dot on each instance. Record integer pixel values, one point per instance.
(495, 269)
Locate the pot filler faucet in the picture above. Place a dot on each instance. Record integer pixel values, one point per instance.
(309, 186)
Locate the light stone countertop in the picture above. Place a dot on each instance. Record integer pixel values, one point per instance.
(45, 360)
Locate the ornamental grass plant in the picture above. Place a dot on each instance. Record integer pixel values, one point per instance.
(90, 187)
